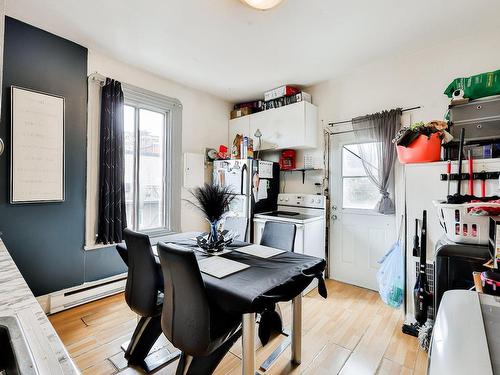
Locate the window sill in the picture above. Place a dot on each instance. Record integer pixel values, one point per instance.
(154, 236)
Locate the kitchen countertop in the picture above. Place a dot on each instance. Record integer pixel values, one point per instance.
(16, 299)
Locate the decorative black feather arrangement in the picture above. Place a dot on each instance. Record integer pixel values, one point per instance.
(213, 201)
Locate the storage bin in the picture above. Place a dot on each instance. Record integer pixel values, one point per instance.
(490, 281)
(422, 150)
(462, 227)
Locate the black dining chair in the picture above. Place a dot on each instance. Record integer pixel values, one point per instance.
(201, 330)
(238, 225)
(279, 235)
(144, 296)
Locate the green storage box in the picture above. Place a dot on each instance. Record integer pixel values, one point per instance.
(478, 86)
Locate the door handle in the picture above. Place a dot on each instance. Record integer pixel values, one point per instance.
(334, 208)
(334, 217)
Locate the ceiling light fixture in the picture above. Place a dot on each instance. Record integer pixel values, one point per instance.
(263, 4)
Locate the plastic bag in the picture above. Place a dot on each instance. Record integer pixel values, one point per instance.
(390, 276)
(478, 86)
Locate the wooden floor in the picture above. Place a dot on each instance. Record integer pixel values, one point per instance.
(352, 332)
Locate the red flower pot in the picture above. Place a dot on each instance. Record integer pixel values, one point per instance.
(422, 150)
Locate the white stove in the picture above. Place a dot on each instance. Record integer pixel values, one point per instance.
(307, 212)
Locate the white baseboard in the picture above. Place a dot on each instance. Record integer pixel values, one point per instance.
(78, 295)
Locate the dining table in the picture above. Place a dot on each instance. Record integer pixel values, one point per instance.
(265, 282)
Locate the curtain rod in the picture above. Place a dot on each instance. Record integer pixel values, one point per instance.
(97, 78)
(348, 121)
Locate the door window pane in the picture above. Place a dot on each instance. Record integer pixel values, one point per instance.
(351, 159)
(151, 169)
(359, 192)
(130, 147)
(357, 189)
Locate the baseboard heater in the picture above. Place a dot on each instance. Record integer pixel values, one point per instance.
(87, 292)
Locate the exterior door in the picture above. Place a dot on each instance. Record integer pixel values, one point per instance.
(359, 236)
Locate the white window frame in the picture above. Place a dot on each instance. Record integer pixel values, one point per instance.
(166, 166)
(146, 99)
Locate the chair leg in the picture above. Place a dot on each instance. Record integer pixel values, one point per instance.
(189, 365)
(146, 333)
(184, 365)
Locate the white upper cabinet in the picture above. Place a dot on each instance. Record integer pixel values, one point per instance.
(292, 126)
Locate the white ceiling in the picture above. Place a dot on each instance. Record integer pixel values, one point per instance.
(235, 52)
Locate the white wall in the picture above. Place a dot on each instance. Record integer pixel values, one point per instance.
(402, 80)
(204, 116)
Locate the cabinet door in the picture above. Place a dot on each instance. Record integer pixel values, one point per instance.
(281, 127)
(240, 125)
(310, 126)
(261, 122)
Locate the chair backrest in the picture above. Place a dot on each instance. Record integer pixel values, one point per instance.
(122, 251)
(238, 225)
(279, 235)
(141, 292)
(185, 317)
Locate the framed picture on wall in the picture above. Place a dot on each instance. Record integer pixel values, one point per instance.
(37, 147)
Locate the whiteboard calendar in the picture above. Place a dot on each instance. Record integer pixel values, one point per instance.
(37, 147)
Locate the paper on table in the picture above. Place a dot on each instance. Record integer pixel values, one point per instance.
(260, 251)
(220, 267)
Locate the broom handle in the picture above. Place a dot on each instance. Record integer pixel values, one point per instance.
(460, 150)
(471, 173)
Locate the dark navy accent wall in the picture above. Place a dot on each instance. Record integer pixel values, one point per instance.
(46, 240)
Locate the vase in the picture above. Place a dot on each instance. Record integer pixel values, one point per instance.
(215, 240)
(214, 232)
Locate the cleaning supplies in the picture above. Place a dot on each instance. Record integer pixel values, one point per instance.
(471, 173)
(458, 198)
(448, 174)
(460, 155)
(416, 240)
(422, 296)
(425, 334)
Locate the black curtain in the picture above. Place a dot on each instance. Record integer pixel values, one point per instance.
(112, 216)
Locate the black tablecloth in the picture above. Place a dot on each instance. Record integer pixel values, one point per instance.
(267, 280)
(254, 289)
